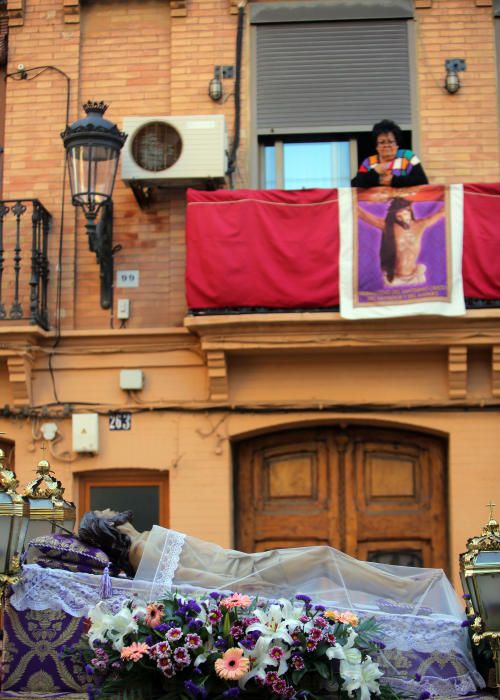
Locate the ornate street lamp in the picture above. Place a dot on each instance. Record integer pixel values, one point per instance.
(93, 146)
(13, 516)
(480, 575)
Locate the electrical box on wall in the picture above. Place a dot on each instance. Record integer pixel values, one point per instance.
(85, 429)
(131, 379)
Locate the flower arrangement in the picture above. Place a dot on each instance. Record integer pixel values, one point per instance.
(221, 647)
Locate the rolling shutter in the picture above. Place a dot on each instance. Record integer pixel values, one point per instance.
(331, 75)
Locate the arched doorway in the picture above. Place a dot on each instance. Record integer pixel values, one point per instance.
(376, 493)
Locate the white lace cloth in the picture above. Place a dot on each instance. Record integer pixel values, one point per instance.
(74, 593)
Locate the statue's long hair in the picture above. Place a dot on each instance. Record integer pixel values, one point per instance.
(388, 242)
(99, 531)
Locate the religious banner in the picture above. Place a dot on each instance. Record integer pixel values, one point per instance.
(401, 251)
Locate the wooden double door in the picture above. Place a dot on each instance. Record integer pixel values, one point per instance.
(375, 493)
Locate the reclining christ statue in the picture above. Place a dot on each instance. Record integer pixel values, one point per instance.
(418, 615)
(171, 560)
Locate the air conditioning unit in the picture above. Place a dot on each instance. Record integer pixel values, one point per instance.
(174, 151)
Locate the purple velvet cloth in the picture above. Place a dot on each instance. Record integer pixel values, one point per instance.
(442, 673)
(32, 646)
(66, 552)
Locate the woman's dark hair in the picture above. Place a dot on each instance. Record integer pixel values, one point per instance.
(386, 126)
(99, 531)
(388, 242)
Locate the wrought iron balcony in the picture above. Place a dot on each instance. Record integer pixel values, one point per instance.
(24, 266)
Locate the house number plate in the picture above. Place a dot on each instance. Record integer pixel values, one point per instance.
(120, 421)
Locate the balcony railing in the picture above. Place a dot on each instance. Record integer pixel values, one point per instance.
(24, 266)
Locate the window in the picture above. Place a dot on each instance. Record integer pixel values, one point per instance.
(143, 491)
(325, 72)
(293, 165)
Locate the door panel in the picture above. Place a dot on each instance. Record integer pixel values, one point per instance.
(377, 494)
(286, 491)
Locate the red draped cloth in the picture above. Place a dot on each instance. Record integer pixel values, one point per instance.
(280, 249)
(481, 254)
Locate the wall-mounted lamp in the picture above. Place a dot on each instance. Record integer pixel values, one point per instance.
(93, 146)
(215, 90)
(215, 85)
(453, 67)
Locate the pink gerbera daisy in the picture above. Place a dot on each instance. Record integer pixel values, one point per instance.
(154, 614)
(134, 652)
(233, 665)
(236, 601)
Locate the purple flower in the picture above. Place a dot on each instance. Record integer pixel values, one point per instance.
(305, 599)
(89, 669)
(220, 644)
(181, 656)
(315, 635)
(90, 693)
(215, 596)
(193, 641)
(194, 625)
(189, 608)
(319, 608)
(424, 695)
(231, 693)
(163, 627)
(276, 653)
(279, 686)
(247, 643)
(215, 616)
(418, 677)
(466, 623)
(466, 596)
(196, 691)
(271, 677)
(174, 634)
(236, 630)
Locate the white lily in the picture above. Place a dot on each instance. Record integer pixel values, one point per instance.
(363, 677)
(120, 625)
(100, 624)
(275, 622)
(259, 659)
(346, 652)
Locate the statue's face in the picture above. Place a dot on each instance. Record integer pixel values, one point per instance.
(106, 513)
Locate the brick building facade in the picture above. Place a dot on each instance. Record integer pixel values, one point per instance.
(217, 388)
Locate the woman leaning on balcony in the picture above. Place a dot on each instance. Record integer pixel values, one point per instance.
(391, 166)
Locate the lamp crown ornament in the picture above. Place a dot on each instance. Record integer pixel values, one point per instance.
(44, 485)
(94, 106)
(8, 481)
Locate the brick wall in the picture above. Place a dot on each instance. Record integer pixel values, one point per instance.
(148, 57)
(458, 133)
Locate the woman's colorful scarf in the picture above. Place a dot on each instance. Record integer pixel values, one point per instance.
(403, 163)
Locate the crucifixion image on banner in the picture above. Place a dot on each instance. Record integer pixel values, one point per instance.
(402, 252)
